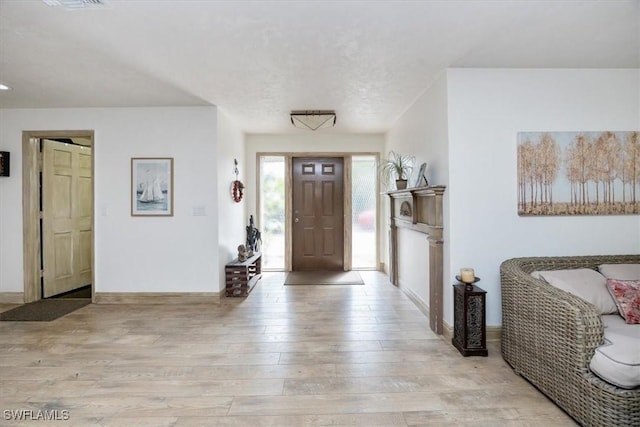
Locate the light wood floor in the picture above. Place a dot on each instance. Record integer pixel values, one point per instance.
(284, 356)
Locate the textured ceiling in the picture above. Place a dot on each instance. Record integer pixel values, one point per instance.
(258, 60)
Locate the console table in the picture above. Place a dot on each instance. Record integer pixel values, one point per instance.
(242, 276)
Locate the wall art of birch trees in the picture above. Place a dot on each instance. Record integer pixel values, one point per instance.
(578, 173)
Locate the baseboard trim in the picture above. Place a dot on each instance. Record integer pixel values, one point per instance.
(494, 333)
(415, 299)
(157, 298)
(11, 297)
(383, 267)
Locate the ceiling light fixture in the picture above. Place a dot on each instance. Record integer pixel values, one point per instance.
(74, 4)
(4, 87)
(313, 119)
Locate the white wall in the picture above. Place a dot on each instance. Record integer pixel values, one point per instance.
(486, 110)
(316, 142)
(422, 131)
(133, 254)
(465, 127)
(232, 216)
(413, 264)
(11, 213)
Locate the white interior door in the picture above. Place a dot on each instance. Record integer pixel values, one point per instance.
(66, 217)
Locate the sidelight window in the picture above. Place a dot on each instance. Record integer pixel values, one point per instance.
(363, 214)
(272, 211)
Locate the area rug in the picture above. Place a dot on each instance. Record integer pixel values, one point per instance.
(83, 292)
(44, 310)
(323, 278)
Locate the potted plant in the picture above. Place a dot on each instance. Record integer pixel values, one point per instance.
(396, 166)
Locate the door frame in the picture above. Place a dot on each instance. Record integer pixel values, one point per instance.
(288, 200)
(31, 236)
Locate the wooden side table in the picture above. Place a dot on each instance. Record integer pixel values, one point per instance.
(469, 320)
(242, 276)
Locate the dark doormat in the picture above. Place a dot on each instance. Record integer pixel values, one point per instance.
(323, 278)
(44, 310)
(83, 292)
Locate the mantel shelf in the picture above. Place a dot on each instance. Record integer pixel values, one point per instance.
(435, 189)
(419, 209)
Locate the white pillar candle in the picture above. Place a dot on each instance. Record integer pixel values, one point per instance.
(467, 275)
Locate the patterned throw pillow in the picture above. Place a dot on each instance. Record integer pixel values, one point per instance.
(627, 296)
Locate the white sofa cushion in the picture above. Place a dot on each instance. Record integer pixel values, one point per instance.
(620, 271)
(617, 361)
(584, 283)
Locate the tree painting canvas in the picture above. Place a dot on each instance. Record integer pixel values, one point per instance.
(578, 173)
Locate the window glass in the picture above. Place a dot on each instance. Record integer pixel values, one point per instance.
(363, 204)
(272, 171)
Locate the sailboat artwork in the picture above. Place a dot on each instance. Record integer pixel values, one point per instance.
(152, 182)
(151, 191)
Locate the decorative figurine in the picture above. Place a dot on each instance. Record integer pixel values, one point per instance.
(253, 237)
(242, 253)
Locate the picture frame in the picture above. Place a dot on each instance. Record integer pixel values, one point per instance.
(573, 173)
(421, 179)
(152, 186)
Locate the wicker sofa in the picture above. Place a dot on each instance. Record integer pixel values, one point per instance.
(549, 336)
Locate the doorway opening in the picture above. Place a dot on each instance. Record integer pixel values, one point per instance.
(58, 214)
(360, 202)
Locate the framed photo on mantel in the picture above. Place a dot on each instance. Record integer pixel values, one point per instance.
(421, 178)
(152, 186)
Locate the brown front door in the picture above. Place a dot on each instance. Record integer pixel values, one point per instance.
(318, 223)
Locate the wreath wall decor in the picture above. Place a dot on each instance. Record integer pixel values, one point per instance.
(237, 188)
(237, 191)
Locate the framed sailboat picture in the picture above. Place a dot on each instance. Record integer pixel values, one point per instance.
(152, 186)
